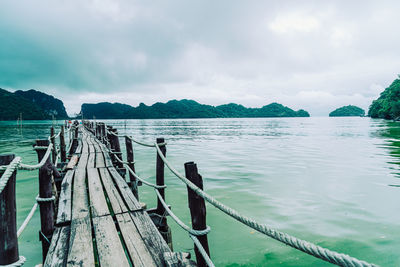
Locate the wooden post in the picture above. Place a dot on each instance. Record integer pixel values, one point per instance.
(117, 148)
(131, 164)
(62, 145)
(45, 191)
(53, 141)
(197, 208)
(160, 175)
(76, 132)
(8, 218)
(103, 133)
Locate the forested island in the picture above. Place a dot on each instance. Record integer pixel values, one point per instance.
(185, 109)
(347, 111)
(31, 104)
(387, 106)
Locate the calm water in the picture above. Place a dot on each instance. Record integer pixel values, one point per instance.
(331, 181)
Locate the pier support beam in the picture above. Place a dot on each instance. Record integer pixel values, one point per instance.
(131, 164)
(8, 218)
(62, 145)
(197, 208)
(45, 192)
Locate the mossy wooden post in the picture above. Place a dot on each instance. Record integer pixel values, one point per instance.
(8, 218)
(45, 191)
(163, 226)
(116, 148)
(53, 141)
(131, 164)
(197, 208)
(62, 145)
(76, 132)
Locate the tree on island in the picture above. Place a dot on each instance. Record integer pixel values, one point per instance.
(347, 111)
(387, 106)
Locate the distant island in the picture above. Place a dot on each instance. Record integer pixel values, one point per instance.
(387, 106)
(347, 111)
(31, 104)
(185, 109)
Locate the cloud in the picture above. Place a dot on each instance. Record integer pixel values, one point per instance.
(214, 52)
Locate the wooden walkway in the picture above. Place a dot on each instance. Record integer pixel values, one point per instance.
(99, 221)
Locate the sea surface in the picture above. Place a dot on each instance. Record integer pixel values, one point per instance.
(331, 181)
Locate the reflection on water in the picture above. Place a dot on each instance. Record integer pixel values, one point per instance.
(321, 179)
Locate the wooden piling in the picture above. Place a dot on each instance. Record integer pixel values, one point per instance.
(76, 132)
(62, 145)
(53, 141)
(8, 218)
(116, 148)
(131, 164)
(47, 207)
(197, 208)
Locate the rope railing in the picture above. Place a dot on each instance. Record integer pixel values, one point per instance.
(27, 219)
(302, 245)
(10, 169)
(202, 250)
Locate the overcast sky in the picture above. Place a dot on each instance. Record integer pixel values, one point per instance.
(315, 55)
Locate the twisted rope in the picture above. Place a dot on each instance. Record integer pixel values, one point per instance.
(302, 245)
(18, 263)
(42, 162)
(10, 169)
(202, 251)
(144, 181)
(45, 199)
(178, 221)
(27, 220)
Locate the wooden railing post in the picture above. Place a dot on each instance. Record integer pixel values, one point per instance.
(103, 133)
(131, 164)
(162, 226)
(76, 131)
(197, 208)
(62, 145)
(45, 191)
(116, 147)
(8, 218)
(53, 141)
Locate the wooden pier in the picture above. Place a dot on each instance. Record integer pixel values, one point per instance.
(100, 219)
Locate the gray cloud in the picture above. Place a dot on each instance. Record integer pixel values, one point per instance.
(315, 55)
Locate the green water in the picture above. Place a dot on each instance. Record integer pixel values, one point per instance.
(327, 180)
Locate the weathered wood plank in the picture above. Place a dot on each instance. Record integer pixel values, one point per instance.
(136, 247)
(125, 191)
(78, 149)
(109, 247)
(64, 203)
(85, 146)
(80, 251)
(91, 160)
(72, 162)
(96, 195)
(83, 161)
(177, 259)
(114, 197)
(90, 143)
(107, 159)
(58, 251)
(80, 206)
(100, 160)
(151, 236)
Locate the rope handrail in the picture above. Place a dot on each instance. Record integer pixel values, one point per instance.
(9, 172)
(178, 221)
(136, 141)
(144, 181)
(42, 162)
(302, 245)
(201, 250)
(27, 219)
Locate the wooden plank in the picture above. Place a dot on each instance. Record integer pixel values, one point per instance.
(58, 251)
(109, 247)
(72, 162)
(131, 201)
(80, 207)
(100, 160)
(177, 259)
(136, 247)
(78, 149)
(91, 160)
(151, 236)
(90, 143)
(83, 161)
(80, 244)
(85, 147)
(107, 159)
(64, 203)
(114, 197)
(98, 201)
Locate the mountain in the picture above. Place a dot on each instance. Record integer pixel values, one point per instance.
(185, 109)
(347, 111)
(387, 106)
(32, 105)
(49, 104)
